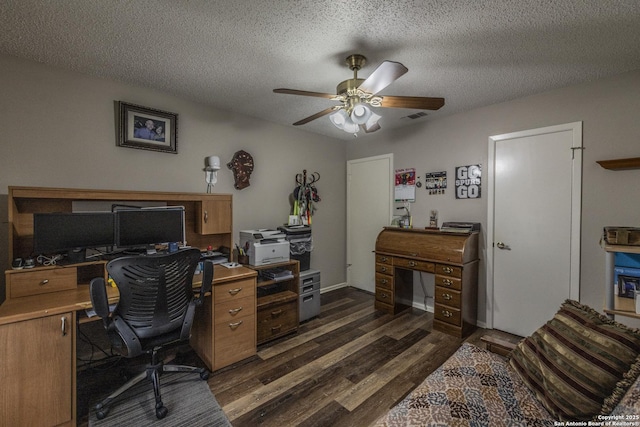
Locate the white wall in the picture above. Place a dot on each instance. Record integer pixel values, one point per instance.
(609, 110)
(58, 130)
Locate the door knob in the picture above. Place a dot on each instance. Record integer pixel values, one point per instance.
(502, 246)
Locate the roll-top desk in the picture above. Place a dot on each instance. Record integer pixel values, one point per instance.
(451, 257)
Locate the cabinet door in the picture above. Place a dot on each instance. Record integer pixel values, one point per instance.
(215, 217)
(36, 371)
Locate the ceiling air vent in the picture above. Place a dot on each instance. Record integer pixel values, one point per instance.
(415, 116)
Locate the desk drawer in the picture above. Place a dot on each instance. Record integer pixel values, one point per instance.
(448, 297)
(37, 282)
(384, 268)
(384, 281)
(449, 270)
(230, 310)
(447, 314)
(413, 264)
(234, 340)
(277, 320)
(233, 291)
(384, 295)
(448, 282)
(384, 259)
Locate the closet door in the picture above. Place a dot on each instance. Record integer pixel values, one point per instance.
(533, 226)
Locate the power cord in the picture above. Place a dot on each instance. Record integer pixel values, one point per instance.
(45, 260)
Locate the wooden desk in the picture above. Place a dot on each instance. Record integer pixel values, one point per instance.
(452, 257)
(38, 345)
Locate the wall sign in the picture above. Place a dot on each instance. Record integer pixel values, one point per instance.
(435, 182)
(468, 180)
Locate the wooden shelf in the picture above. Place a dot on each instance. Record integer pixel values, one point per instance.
(622, 313)
(622, 248)
(620, 164)
(278, 298)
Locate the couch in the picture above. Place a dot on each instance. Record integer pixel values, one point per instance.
(579, 367)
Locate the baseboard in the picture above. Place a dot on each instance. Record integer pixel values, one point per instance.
(333, 287)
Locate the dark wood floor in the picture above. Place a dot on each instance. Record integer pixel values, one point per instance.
(346, 367)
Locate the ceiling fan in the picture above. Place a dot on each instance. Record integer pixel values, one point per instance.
(356, 96)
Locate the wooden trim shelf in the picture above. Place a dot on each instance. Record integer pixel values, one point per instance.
(277, 298)
(620, 164)
(622, 313)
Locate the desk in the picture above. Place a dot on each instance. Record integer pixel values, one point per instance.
(451, 257)
(38, 343)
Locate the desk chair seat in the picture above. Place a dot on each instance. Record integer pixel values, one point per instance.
(156, 309)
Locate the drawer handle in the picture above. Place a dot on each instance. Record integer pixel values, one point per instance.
(383, 269)
(384, 296)
(276, 313)
(307, 289)
(309, 280)
(412, 263)
(206, 216)
(414, 254)
(275, 329)
(383, 259)
(384, 281)
(64, 326)
(447, 282)
(447, 270)
(44, 282)
(235, 311)
(234, 291)
(447, 297)
(447, 313)
(235, 325)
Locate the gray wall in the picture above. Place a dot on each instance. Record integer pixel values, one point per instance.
(609, 111)
(58, 130)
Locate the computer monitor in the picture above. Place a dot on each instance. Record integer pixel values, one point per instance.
(144, 227)
(64, 232)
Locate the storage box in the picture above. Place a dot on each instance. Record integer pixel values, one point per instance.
(622, 236)
(627, 280)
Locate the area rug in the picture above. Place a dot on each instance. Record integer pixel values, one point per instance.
(186, 396)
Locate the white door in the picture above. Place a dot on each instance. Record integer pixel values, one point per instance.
(369, 208)
(533, 225)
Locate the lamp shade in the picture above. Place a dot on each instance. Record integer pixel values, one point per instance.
(360, 114)
(339, 118)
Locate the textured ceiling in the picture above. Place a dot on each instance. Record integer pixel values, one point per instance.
(231, 54)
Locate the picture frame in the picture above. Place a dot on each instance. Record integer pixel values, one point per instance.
(146, 128)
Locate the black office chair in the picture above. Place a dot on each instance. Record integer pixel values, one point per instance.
(156, 309)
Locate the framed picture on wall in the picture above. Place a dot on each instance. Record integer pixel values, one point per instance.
(147, 129)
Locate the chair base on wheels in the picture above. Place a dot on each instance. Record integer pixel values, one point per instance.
(152, 373)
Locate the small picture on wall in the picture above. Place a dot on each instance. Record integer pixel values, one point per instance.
(147, 129)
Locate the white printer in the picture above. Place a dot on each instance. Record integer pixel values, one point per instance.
(264, 246)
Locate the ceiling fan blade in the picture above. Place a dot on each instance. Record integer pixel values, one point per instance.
(304, 93)
(383, 76)
(417, 102)
(316, 116)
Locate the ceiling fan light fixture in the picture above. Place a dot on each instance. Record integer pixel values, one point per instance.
(339, 118)
(360, 114)
(372, 122)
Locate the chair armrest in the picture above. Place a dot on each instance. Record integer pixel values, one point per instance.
(207, 280)
(99, 299)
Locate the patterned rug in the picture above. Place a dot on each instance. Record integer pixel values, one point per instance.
(186, 396)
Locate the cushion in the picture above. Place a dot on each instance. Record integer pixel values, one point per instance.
(474, 387)
(580, 363)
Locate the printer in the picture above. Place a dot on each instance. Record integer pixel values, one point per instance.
(264, 246)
